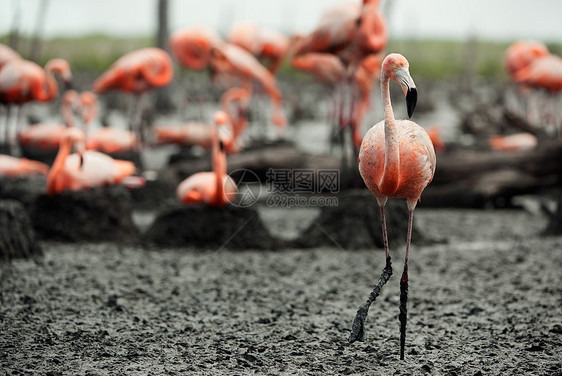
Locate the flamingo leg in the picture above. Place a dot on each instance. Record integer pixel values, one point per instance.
(136, 120)
(358, 327)
(403, 316)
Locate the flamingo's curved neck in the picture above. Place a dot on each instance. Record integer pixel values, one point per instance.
(58, 165)
(391, 175)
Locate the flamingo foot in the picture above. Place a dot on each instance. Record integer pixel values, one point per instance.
(358, 327)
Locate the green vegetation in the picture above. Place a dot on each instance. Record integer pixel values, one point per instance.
(430, 59)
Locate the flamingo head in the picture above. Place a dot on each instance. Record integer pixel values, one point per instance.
(220, 118)
(396, 67)
(60, 67)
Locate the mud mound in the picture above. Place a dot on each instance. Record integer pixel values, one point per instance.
(17, 238)
(355, 223)
(208, 227)
(98, 214)
(24, 189)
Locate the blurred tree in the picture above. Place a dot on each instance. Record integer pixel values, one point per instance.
(35, 52)
(163, 95)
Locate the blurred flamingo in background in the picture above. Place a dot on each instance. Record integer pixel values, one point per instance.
(329, 70)
(396, 159)
(137, 72)
(365, 77)
(352, 32)
(514, 142)
(16, 167)
(434, 132)
(236, 65)
(518, 56)
(198, 133)
(200, 48)
(47, 136)
(23, 81)
(192, 46)
(269, 46)
(86, 168)
(109, 139)
(235, 103)
(545, 72)
(214, 188)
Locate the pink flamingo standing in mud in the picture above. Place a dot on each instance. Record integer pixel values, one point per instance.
(137, 72)
(214, 188)
(396, 159)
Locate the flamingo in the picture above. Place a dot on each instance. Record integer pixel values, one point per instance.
(268, 45)
(200, 133)
(235, 102)
(15, 167)
(109, 140)
(214, 188)
(545, 73)
(434, 132)
(137, 72)
(236, 64)
(47, 136)
(365, 75)
(396, 159)
(514, 142)
(518, 56)
(23, 81)
(352, 32)
(192, 47)
(84, 169)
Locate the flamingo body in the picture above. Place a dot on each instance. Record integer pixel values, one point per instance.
(266, 44)
(201, 187)
(514, 142)
(111, 140)
(22, 81)
(84, 170)
(521, 53)
(137, 72)
(543, 72)
(15, 167)
(192, 46)
(416, 161)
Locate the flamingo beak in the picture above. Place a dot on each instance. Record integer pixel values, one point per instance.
(408, 87)
(411, 100)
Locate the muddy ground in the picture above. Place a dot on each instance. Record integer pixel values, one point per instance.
(485, 300)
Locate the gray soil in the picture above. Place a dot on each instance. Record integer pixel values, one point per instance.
(485, 300)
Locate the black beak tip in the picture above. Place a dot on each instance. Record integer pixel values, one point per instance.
(221, 146)
(411, 100)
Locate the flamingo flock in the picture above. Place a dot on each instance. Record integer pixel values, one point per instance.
(346, 52)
